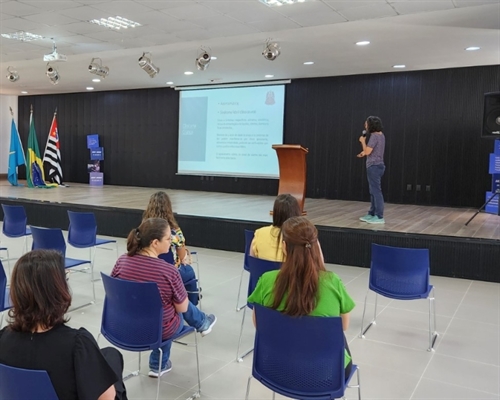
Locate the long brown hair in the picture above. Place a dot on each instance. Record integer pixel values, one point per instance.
(39, 291)
(298, 279)
(149, 230)
(160, 206)
(285, 206)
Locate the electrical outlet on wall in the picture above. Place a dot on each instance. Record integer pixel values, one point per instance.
(418, 188)
(408, 186)
(428, 188)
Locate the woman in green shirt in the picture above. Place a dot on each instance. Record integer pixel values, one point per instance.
(303, 286)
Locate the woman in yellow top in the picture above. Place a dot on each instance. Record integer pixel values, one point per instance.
(266, 243)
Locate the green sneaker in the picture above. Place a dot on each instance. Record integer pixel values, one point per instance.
(376, 220)
(366, 218)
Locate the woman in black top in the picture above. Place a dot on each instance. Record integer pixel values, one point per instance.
(37, 337)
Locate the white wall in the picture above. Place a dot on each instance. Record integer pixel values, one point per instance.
(5, 123)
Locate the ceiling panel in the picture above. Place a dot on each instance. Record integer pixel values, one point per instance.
(345, 5)
(50, 18)
(412, 7)
(270, 25)
(376, 10)
(190, 12)
(314, 19)
(51, 5)
(84, 13)
(19, 24)
(18, 9)
(122, 8)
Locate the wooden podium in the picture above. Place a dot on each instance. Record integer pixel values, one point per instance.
(292, 162)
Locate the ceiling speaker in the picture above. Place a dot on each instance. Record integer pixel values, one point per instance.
(491, 116)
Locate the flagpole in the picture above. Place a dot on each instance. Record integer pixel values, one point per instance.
(50, 130)
(11, 112)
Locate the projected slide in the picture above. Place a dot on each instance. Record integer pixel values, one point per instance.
(230, 131)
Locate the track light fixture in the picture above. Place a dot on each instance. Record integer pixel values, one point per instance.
(147, 65)
(271, 50)
(203, 60)
(96, 68)
(12, 74)
(52, 74)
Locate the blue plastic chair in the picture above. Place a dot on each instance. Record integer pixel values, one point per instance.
(401, 274)
(53, 239)
(257, 267)
(25, 384)
(132, 319)
(5, 303)
(300, 357)
(15, 224)
(248, 241)
(82, 233)
(8, 257)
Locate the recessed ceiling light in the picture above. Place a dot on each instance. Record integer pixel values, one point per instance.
(269, 76)
(24, 92)
(115, 23)
(363, 43)
(213, 58)
(309, 63)
(22, 36)
(96, 80)
(399, 66)
(188, 73)
(170, 83)
(472, 48)
(90, 88)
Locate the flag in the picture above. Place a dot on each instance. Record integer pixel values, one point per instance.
(16, 154)
(52, 155)
(34, 166)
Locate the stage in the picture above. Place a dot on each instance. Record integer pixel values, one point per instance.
(217, 220)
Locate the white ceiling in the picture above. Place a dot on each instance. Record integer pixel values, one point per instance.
(422, 34)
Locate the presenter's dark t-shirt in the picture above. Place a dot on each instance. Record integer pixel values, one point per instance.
(377, 143)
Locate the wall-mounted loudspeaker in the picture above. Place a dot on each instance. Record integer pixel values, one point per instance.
(491, 117)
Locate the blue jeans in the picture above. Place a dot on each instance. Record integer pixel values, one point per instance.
(374, 174)
(190, 283)
(194, 318)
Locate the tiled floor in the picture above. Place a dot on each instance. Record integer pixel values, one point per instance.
(393, 359)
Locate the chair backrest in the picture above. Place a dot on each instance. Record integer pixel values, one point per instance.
(302, 355)
(257, 267)
(248, 241)
(3, 285)
(48, 238)
(14, 221)
(133, 314)
(25, 384)
(168, 257)
(399, 273)
(82, 229)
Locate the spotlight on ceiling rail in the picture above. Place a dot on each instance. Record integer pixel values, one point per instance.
(203, 59)
(147, 65)
(96, 68)
(52, 74)
(12, 75)
(271, 50)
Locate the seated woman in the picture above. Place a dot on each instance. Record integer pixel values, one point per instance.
(37, 337)
(141, 264)
(160, 206)
(266, 243)
(303, 286)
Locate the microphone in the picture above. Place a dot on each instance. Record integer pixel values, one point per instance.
(363, 133)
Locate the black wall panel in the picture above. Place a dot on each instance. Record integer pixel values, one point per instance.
(432, 122)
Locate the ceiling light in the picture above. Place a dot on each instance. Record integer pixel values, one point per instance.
(188, 73)
(96, 80)
(309, 63)
(269, 76)
(24, 92)
(96, 68)
(12, 75)
(273, 3)
(54, 56)
(147, 65)
(170, 83)
(22, 36)
(271, 50)
(472, 48)
(52, 74)
(214, 58)
(399, 66)
(89, 88)
(115, 23)
(363, 43)
(203, 60)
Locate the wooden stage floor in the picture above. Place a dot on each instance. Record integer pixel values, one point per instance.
(426, 220)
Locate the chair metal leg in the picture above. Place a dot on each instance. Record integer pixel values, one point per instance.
(432, 317)
(274, 395)
(238, 357)
(373, 322)
(248, 387)
(239, 308)
(1, 318)
(159, 374)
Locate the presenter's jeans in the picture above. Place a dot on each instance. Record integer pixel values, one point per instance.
(190, 283)
(374, 174)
